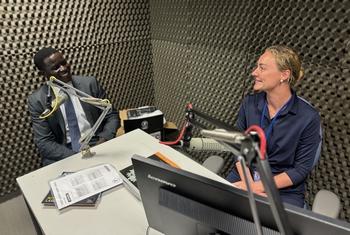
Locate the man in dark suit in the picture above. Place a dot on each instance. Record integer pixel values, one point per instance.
(55, 135)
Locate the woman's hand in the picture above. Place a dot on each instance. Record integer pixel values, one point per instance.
(240, 185)
(257, 187)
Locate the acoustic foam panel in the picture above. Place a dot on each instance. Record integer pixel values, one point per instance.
(215, 45)
(108, 39)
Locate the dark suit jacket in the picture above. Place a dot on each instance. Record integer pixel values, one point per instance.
(50, 133)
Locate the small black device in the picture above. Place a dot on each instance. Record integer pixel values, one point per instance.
(180, 202)
(152, 125)
(132, 113)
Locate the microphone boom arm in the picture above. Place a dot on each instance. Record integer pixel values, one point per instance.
(78, 93)
(102, 104)
(85, 147)
(248, 152)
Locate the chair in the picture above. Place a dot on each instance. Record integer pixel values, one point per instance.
(326, 203)
(214, 163)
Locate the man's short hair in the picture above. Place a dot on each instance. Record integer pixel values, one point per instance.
(41, 55)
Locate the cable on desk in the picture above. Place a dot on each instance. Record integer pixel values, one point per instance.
(178, 138)
(147, 231)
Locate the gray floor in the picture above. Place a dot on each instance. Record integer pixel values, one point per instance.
(15, 218)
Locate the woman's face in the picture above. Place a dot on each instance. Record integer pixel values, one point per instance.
(267, 75)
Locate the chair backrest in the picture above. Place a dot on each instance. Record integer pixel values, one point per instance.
(326, 203)
(214, 163)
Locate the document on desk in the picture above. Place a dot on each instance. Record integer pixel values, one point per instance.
(83, 184)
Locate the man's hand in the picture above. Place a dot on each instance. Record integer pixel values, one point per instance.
(100, 141)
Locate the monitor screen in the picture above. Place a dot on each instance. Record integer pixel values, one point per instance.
(180, 202)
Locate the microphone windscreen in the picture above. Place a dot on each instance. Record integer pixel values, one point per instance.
(205, 144)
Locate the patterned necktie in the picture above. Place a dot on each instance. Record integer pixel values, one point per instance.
(73, 126)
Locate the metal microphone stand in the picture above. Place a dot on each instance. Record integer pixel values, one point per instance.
(251, 197)
(248, 151)
(102, 104)
(273, 195)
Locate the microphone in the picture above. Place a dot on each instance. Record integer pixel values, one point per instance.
(60, 98)
(205, 144)
(225, 136)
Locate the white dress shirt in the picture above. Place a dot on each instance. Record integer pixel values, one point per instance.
(83, 123)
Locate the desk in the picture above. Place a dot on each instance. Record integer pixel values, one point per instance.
(118, 212)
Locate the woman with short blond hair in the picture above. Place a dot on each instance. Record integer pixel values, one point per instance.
(292, 126)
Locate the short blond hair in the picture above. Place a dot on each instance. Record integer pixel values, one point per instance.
(287, 59)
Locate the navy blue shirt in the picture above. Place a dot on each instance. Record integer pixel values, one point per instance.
(294, 142)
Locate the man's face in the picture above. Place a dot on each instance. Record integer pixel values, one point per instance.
(267, 75)
(57, 66)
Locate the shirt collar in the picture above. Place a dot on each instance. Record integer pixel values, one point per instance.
(261, 101)
(293, 104)
(291, 108)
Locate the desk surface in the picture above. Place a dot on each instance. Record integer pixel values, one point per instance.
(118, 212)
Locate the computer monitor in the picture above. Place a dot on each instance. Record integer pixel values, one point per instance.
(179, 202)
